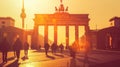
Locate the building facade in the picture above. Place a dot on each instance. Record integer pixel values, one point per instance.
(8, 29)
(108, 38)
(6, 21)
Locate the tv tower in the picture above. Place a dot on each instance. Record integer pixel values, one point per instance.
(23, 15)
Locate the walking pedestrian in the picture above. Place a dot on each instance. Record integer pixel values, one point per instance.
(18, 47)
(72, 52)
(4, 49)
(54, 48)
(26, 47)
(46, 46)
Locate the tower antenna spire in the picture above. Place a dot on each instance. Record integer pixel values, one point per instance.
(61, 1)
(23, 15)
(23, 4)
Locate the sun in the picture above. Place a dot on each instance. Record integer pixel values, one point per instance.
(29, 3)
(35, 3)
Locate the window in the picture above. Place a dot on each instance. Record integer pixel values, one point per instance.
(3, 22)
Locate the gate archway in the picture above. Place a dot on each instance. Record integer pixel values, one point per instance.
(61, 17)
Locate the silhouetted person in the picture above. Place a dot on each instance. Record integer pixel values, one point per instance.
(26, 47)
(18, 47)
(46, 46)
(61, 47)
(13, 47)
(54, 48)
(39, 47)
(4, 49)
(72, 52)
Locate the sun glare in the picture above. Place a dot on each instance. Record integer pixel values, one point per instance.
(34, 3)
(29, 3)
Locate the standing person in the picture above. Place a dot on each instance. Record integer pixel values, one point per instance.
(61, 47)
(46, 46)
(72, 52)
(13, 47)
(4, 49)
(39, 47)
(54, 48)
(17, 47)
(26, 47)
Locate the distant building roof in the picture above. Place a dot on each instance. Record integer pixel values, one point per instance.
(110, 30)
(7, 18)
(10, 29)
(114, 18)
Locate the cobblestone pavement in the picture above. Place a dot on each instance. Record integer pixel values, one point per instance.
(96, 58)
(37, 59)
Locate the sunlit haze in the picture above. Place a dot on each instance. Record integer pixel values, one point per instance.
(100, 11)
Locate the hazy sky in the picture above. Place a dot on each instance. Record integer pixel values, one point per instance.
(100, 11)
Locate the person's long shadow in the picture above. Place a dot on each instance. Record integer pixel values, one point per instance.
(11, 58)
(1, 64)
(73, 63)
(115, 63)
(13, 64)
(24, 58)
(50, 57)
(59, 55)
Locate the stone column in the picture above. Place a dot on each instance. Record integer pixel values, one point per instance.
(87, 35)
(67, 36)
(76, 33)
(86, 29)
(46, 34)
(55, 34)
(34, 44)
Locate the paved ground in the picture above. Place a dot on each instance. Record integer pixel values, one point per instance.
(37, 59)
(96, 58)
(100, 58)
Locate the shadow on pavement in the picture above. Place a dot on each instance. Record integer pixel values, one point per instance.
(50, 57)
(11, 58)
(24, 58)
(1, 64)
(106, 52)
(73, 63)
(59, 55)
(108, 64)
(13, 64)
(39, 51)
(42, 50)
(87, 60)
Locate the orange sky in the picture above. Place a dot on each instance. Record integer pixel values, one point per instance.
(100, 11)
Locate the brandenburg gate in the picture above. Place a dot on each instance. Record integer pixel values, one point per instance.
(61, 17)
